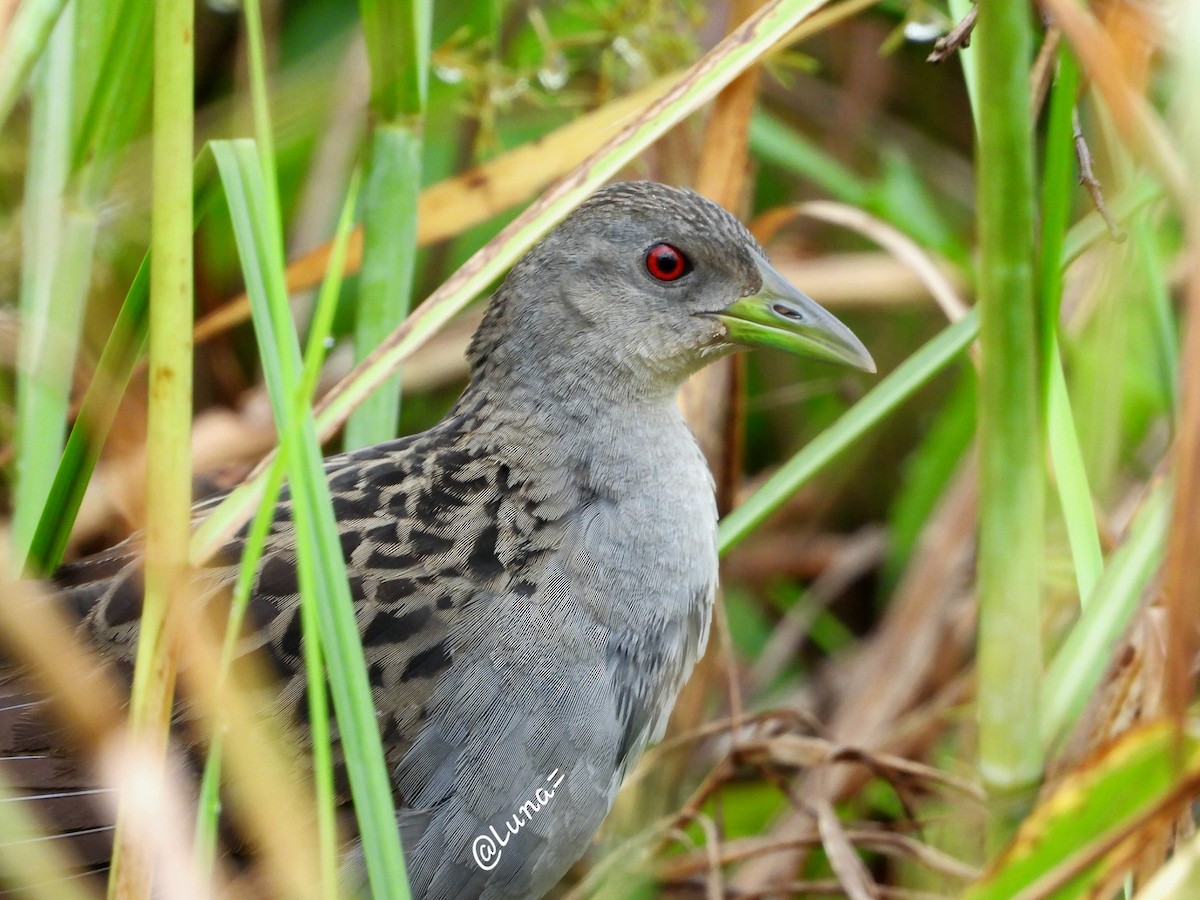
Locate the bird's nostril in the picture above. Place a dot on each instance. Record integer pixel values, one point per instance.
(787, 312)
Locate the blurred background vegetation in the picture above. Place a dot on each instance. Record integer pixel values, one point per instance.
(968, 531)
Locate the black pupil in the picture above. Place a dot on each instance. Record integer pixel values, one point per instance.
(667, 261)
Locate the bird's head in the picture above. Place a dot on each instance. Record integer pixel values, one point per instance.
(642, 285)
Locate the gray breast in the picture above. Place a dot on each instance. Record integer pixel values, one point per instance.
(574, 678)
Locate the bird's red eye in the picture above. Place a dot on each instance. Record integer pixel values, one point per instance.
(666, 263)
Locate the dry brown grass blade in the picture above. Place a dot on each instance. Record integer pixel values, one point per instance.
(1182, 587)
(82, 695)
(905, 249)
(714, 887)
(36, 636)
(879, 840)
(843, 858)
(858, 555)
(7, 9)
(931, 273)
(773, 756)
(725, 155)
(156, 819)
(1131, 693)
(1178, 877)
(28, 859)
(890, 674)
(88, 701)
(802, 752)
(1133, 116)
(452, 206)
(866, 280)
(831, 887)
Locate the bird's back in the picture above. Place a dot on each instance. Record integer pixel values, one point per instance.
(510, 625)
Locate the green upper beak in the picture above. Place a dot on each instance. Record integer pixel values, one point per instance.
(780, 316)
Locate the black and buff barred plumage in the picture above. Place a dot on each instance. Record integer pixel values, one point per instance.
(534, 575)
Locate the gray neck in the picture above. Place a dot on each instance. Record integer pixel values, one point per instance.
(606, 436)
(579, 388)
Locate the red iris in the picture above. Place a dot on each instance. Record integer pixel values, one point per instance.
(666, 263)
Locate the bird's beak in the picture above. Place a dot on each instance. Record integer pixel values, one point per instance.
(780, 316)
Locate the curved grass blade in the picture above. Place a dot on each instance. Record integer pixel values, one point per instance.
(125, 346)
(96, 416)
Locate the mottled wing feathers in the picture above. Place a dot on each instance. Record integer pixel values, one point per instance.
(430, 526)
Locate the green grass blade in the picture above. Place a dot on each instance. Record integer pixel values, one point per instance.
(1058, 188)
(1084, 657)
(263, 132)
(208, 804)
(320, 564)
(1070, 472)
(321, 326)
(397, 35)
(322, 751)
(23, 46)
(1166, 333)
(208, 811)
(124, 347)
(925, 475)
(968, 56)
(1059, 185)
(389, 256)
(113, 47)
(107, 99)
(55, 265)
(168, 419)
(96, 416)
(884, 398)
(1131, 779)
(318, 701)
(775, 142)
